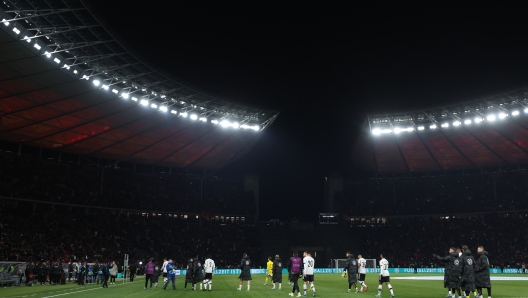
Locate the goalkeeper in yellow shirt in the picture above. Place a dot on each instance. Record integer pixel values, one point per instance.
(269, 270)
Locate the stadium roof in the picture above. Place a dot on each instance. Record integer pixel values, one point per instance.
(68, 83)
(488, 132)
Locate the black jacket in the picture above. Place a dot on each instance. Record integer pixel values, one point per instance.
(451, 268)
(351, 265)
(482, 276)
(244, 266)
(466, 267)
(277, 270)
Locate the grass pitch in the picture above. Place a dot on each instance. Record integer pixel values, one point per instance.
(224, 286)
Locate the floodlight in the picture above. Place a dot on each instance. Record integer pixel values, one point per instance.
(66, 66)
(174, 112)
(184, 114)
(105, 87)
(445, 125)
(478, 120)
(124, 95)
(163, 108)
(203, 119)
(85, 77)
(194, 117)
(526, 111)
(26, 38)
(502, 115)
(56, 60)
(397, 130)
(433, 126)
(6, 23)
(214, 121)
(386, 130)
(96, 82)
(235, 125)
(421, 128)
(75, 71)
(515, 113)
(115, 91)
(16, 30)
(467, 122)
(134, 98)
(491, 118)
(224, 123)
(154, 106)
(48, 54)
(144, 102)
(255, 127)
(456, 123)
(376, 131)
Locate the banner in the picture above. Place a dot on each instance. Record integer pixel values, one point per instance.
(338, 271)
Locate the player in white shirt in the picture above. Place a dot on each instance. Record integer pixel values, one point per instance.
(384, 276)
(308, 272)
(362, 270)
(164, 269)
(209, 267)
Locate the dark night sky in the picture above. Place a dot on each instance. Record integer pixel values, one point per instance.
(325, 65)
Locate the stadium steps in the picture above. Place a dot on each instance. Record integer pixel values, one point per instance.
(274, 241)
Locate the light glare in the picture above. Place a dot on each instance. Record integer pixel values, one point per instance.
(144, 102)
(467, 122)
(515, 113)
(502, 115)
(96, 82)
(491, 118)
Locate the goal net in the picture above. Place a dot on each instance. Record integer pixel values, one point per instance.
(339, 264)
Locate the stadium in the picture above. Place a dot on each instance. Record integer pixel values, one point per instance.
(105, 156)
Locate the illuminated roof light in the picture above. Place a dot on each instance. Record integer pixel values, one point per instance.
(75, 71)
(467, 122)
(445, 125)
(376, 131)
(214, 121)
(154, 106)
(134, 98)
(515, 113)
(203, 119)
(174, 112)
(6, 23)
(96, 82)
(397, 130)
(235, 125)
(105, 87)
(144, 102)
(502, 115)
(433, 126)
(66, 66)
(48, 54)
(386, 130)
(194, 117)
(526, 111)
(456, 123)
(478, 120)
(115, 91)
(163, 96)
(255, 127)
(224, 123)
(421, 128)
(26, 38)
(163, 108)
(56, 60)
(124, 95)
(491, 118)
(16, 30)
(184, 114)
(85, 77)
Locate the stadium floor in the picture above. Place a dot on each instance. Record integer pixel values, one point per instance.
(224, 286)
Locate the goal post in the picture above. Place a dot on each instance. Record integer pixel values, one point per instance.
(340, 264)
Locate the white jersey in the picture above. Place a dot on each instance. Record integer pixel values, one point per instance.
(164, 266)
(362, 266)
(384, 267)
(309, 263)
(209, 266)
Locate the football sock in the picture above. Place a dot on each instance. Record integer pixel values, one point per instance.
(489, 292)
(280, 286)
(379, 290)
(312, 286)
(304, 289)
(248, 287)
(390, 289)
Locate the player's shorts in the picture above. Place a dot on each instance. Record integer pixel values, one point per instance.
(164, 274)
(362, 277)
(208, 276)
(308, 278)
(384, 278)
